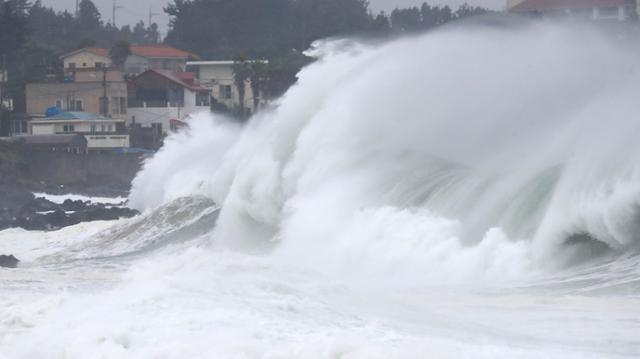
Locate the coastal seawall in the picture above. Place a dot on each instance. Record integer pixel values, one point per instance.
(82, 170)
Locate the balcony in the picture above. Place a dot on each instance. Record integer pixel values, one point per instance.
(135, 103)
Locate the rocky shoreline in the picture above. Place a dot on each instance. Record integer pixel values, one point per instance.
(21, 176)
(44, 215)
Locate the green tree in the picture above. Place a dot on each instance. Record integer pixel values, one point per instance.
(380, 24)
(152, 35)
(14, 34)
(465, 10)
(119, 53)
(138, 35)
(86, 43)
(13, 27)
(406, 20)
(88, 16)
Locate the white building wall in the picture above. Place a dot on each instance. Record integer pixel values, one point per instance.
(136, 64)
(85, 59)
(43, 129)
(147, 116)
(215, 75)
(78, 127)
(107, 141)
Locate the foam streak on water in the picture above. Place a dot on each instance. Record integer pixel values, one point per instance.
(469, 193)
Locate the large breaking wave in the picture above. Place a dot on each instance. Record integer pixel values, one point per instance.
(476, 150)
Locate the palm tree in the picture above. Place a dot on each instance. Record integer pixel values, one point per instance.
(259, 76)
(241, 73)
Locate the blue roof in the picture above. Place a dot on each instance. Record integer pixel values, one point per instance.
(85, 116)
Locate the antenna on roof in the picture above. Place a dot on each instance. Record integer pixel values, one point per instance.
(115, 7)
(151, 15)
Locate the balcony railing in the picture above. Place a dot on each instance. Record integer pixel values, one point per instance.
(133, 103)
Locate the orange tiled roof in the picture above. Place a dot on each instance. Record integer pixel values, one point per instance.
(535, 5)
(162, 51)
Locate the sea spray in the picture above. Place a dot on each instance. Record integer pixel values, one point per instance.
(528, 129)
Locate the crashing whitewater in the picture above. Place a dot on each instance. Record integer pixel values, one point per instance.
(471, 192)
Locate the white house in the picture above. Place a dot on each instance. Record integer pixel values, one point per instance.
(86, 58)
(218, 77)
(142, 58)
(100, 132)
(159, 57)
(162, 99)
(598, 10)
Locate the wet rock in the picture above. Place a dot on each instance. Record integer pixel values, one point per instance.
(69, 205)
(42, 215)
(8, 261)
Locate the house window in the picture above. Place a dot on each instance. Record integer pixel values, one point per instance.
(225, 92)
(72, 65)
(84, 64)
(59, 104)
(76, 105)
(110, 128)
(99, 65)
(101, 128)
(93, 128)
(68, 128)
(202, 99)
(115, 102)
(123, 105)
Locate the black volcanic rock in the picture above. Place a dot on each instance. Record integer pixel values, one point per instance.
(8, 261)
(69, 205)
(41, 214)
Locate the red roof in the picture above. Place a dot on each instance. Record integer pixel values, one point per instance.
(184, 79)
(535, 5)
(162, 51)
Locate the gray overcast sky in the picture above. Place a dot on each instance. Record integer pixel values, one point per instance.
(135, 10)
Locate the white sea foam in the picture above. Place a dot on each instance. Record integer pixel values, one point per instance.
(60, 198)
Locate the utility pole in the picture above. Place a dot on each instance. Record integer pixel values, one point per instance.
(104, 103)
(151, 15)
(115, 7)
(77, 8)
(3, 79)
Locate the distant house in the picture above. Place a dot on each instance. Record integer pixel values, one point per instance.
(86, 58)
(157, 57)
(599, 10)
(87, 78)
(101, 133)
(79, 96)
(156, 97)
(142, 58)
(218, 77)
